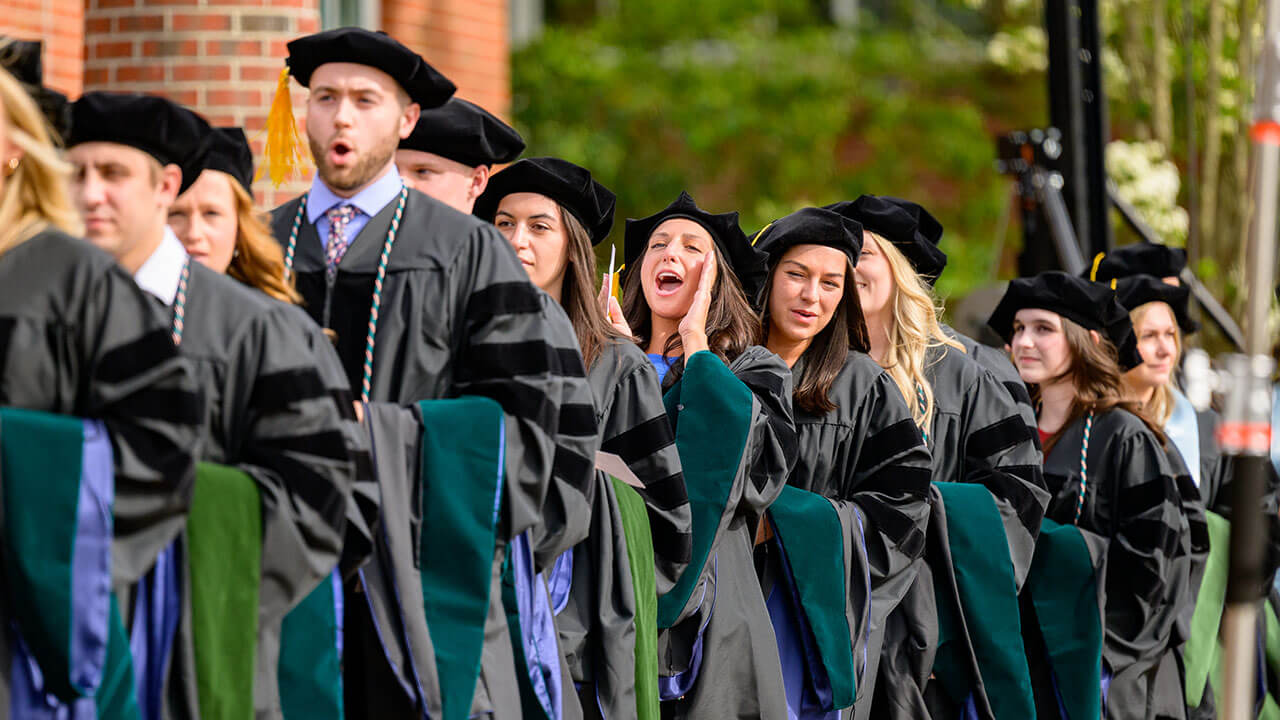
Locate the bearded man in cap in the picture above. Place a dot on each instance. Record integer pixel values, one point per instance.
(427, 303)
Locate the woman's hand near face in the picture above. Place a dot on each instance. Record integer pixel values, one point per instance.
(612, 310)
(693, 327)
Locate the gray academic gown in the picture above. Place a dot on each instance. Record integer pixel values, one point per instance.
(270, 413)
(735, 668)
(978, 435)
(1134, 507)
(867, 456)
(597, 624)
(998, 364)
(458, 317)
(77, 337)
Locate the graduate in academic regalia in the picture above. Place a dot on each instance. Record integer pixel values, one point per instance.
(976, 434)
(996, 361)
(554, 213)
(78, 338)
(216, 221)
(266, 408)
(858, 446)
(1110, 477)
(450, 153)
(729, 403)
(427, 304)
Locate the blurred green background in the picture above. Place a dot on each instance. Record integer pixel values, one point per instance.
(764, 106)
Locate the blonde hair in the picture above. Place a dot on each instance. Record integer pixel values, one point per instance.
(35, 196)
(915, 330)
(258, 260)
(1160, 407)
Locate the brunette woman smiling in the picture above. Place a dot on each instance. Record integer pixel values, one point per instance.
(1109, 475)
(858, 444)
(730, 404)
(554, 213)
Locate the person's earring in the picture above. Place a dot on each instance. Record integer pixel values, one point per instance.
(12, 166)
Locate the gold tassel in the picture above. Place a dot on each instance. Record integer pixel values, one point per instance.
(1097, 260)
(756, 237)
(284, 151)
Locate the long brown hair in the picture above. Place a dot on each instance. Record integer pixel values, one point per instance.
(731, 323)
(258, 260)
(576, 295)
(826, 355)
(1095, 372)
(35, 193)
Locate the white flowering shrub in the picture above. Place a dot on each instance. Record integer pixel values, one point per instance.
(1148, 180)
(1021, 50)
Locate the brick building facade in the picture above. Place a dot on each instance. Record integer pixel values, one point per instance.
(223, 57)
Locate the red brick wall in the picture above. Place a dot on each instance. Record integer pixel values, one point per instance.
(222, 57)
(464, 39)
(219, 57)
(60, 24)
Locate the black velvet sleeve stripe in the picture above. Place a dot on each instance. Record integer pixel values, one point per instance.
(506, 298)
(995, 439)
(668, 493)
(1154, 536)
(896, 525)
(901, 480)
(313, 489)
(518, 400)
(888, 443)
(1137, 499)
(530, 357)
(771, 382)
(1011, 489)
(577, 420)
(1133, 576)
(672, 545)
(278, 390)
(641, 440)
(126, 361)
(1018, 391)
(168, 404)
(1033, 474)
(570, 466)
(329, 444)
(345, 401)
(158, 452)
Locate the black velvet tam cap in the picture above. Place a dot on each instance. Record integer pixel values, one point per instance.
(808, 226)
(908, 226)
(1091, 305)
(425, 85)
(157, 126)
(1141, 258)
(744, 261)
(229, 152)
(811, 226)
(1138, 290)
(464, 132)
(571, 186)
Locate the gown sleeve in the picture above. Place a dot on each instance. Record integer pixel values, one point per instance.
(521, 351)
(364, 500)
(636, 428)
(152, 406)
(772, 443)
(294, 444)
(1140, 612)
(1003, 454)
(566, 510)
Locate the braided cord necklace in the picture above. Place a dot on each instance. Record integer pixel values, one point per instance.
(180, 304)
(366, 382)
(1084, 466)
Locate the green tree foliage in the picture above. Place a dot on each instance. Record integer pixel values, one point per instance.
(764, 106)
